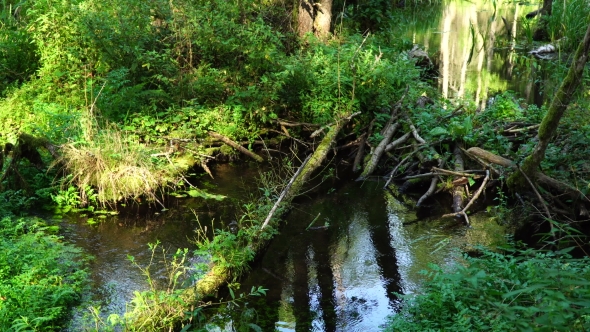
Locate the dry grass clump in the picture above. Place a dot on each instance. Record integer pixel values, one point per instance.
(116, 166)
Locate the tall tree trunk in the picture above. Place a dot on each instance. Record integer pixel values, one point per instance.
(323, 19)
(556, 110)
(305, 17)
(314, 16)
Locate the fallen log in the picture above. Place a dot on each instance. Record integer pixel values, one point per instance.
(458, 188)
(490, 157)
(218, 275)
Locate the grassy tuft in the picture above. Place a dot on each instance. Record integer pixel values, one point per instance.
(118, 167)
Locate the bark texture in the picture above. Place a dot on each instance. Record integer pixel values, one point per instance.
(323, 19)
(305, 17)
(314, 16)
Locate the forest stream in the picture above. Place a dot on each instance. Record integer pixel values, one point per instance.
(344, 252)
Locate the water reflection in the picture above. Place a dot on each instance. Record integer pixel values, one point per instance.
(334, 279)
(475, 47)
(114, 277)
(344, 278)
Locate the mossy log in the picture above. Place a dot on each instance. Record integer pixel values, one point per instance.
(490, 157)
(219, 275)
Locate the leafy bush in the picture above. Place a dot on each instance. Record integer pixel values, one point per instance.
(40, 277)
(18, 59)
(358, 74)
(513, 291)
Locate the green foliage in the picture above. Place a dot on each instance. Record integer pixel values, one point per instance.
(40, 277)
(163, 306)
(512, 291)
(568, 23)
(354, 74)
(18, 59)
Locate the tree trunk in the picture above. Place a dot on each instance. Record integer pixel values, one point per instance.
(305, 17)
(314, 17)
(547, 6)
(556, 110)
(323, 19)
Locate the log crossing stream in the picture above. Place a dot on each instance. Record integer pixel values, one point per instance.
(340, 272)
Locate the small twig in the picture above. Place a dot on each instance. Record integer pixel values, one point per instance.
(291, 137)
(397, 167)
(400, 164)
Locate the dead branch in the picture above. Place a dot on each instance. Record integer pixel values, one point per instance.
(473, 199)
(373, 162)
(295, 124)
(236, 146)
(429, 192)
(432, 187)
(415, 131)
(398, 166)
(420, 176)
(286, 133)
(490, 157)
(284, 192)
(206, 168)
(484, 164)
(356, 166)
(513, 130)
(397, 142)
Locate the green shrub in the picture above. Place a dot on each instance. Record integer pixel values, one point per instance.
(40, 277)
(18, 60)
(513, 291)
